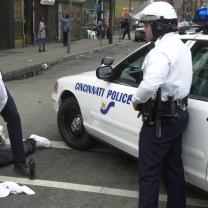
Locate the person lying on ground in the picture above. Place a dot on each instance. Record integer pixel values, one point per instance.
(30, 145)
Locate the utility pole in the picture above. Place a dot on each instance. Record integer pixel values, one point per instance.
(129, 15)
(110, 21)
(70, 26)
(129, 6)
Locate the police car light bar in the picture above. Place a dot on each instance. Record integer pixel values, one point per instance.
(201, 16)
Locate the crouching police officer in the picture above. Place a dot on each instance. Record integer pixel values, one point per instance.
(161, 99)
(9, 113)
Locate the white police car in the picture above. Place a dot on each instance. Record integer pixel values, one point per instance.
(99, 105)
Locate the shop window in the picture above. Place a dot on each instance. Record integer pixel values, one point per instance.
(18, 18)
(88, 17)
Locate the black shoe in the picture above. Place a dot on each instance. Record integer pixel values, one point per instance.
(22, 168)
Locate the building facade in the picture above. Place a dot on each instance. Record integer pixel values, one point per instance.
(7, 37)
(185, 8)
(92, 12)
(73, 9)
(19, 21)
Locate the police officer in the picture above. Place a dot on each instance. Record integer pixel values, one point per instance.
(9, 113)
(168, 67)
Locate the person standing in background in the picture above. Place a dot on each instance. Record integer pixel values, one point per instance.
(42, 35)
(66, 26)
(126, 29)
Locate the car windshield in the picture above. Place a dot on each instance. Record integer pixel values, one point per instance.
(199, 86)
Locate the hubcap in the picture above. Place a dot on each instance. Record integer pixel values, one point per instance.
(76, 124)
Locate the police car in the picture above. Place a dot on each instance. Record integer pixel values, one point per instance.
(98, 105)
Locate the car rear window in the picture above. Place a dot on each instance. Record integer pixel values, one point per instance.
(199, 86)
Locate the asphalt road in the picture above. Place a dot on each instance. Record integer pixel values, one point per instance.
(102, 177)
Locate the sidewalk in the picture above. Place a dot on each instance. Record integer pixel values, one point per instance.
(23, 62)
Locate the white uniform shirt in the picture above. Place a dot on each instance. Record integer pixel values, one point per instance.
(169, 66)
(3, 94)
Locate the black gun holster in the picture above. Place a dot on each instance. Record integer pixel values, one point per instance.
(147, 111)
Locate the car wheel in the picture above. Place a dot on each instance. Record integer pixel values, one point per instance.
(70, 125)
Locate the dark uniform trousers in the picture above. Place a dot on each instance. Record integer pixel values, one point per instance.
(11, 116)
(162, 156)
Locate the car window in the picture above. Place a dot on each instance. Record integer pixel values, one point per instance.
(199, 86)
(127, 72)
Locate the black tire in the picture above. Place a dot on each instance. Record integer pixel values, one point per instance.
(137, 39)
(70, 125)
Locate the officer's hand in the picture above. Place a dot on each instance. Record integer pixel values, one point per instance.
(135, 106)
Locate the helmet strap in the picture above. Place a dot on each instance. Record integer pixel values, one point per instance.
(159, 29)
(156, 32)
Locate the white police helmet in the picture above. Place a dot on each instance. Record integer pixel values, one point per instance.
(159, 10)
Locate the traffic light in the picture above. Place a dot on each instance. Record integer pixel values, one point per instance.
(98, 9)
(98, 6)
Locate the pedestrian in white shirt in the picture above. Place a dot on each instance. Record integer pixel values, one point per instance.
(42, 35)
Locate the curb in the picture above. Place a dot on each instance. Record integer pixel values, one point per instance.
(33, 70)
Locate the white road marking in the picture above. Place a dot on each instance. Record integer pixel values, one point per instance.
(95, 189)
(59, 145)
(63, 145)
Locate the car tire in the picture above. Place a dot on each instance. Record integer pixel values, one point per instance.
(70, 125)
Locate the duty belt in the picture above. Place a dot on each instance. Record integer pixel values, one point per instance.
(180, 104)
(155, 111)
(148, 110)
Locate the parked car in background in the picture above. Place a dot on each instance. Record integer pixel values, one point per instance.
(139, 32)
(183, 26)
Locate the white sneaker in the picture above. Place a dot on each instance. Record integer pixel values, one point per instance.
(2, 136)
(41, 141)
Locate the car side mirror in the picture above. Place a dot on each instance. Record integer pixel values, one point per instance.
(108, 61)
(105, 73)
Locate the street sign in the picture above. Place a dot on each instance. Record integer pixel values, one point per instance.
(98, 7)
(47, 2)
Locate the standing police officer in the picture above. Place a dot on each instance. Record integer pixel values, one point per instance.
(167, 69)
(9, 113)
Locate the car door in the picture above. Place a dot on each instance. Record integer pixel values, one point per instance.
(112, 115)
(195, 141)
